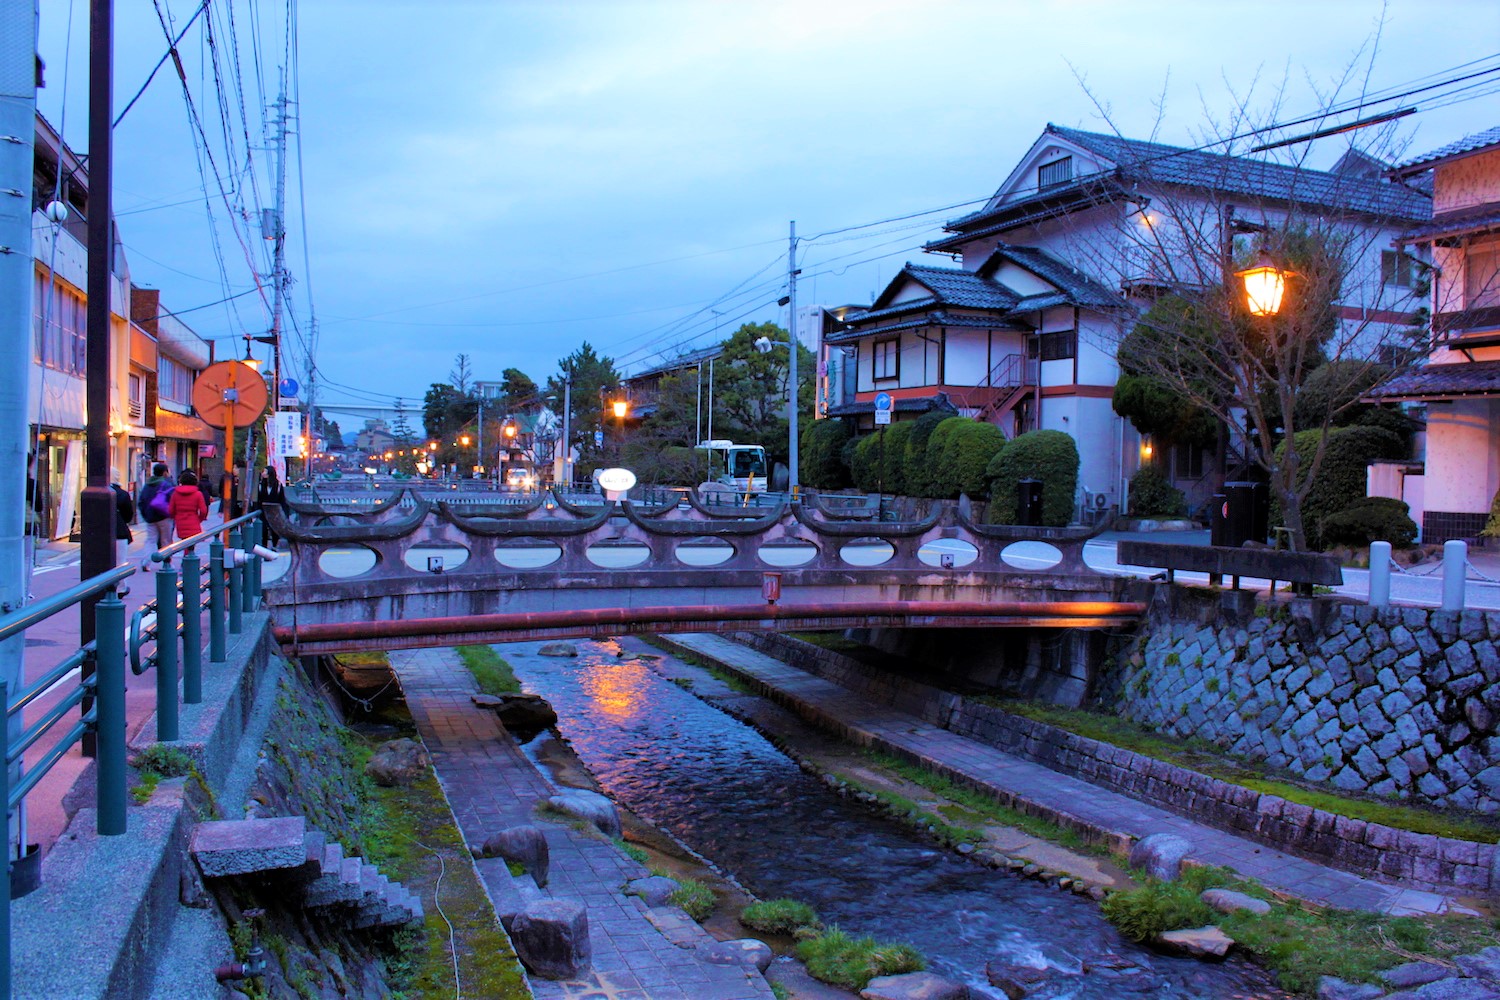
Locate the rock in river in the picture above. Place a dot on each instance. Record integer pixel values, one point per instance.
(591, 807)
(399, 762)
(558, 649)
(914, 986)
(1200, 942)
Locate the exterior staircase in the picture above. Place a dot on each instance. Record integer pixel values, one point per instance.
(306, 858)
(1015, 375)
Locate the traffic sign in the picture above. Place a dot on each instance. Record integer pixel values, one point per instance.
(883, 404)
(288, 387)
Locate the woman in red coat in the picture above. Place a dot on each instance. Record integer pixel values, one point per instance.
(187, 506)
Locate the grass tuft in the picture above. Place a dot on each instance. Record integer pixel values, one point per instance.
(836, 958)
(780, 916)
(491, 672)
(695, 898)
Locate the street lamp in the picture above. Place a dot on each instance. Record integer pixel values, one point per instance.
(621, 407)
(1265, 286)
(764, 345)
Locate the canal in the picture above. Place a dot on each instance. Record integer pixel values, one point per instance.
(725, 791)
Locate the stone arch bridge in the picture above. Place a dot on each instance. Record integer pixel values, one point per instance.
(410, 571)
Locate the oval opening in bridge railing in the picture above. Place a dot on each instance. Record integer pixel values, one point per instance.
(527, 553)
(344, 561)
(1030, 555)
(617, 553)
(703, 551)
(948, 553)
(787, 552)
(866, 551)
(271, 571)
(436, 558)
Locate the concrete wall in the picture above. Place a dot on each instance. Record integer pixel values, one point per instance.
(1463, 463)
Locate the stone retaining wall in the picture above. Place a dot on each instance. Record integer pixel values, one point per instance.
(1419, 860)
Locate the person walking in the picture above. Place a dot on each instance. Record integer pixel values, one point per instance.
(157, 513)
(124, 514)
(188, 506)
(271, 491)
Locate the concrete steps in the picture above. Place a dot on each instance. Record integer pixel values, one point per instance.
(283, 847)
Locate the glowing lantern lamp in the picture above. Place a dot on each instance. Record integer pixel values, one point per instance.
(1265, 287)
(621, 407)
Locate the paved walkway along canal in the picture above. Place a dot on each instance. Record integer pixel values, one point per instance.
(491, 785)
(1055, 793)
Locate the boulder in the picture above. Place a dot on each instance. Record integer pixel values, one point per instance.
(914, 986)
(525, 845)
(1483, 964)
(1404, 977)
(1330, 988)
(1160, 855)
(741, 951)
(1448, 989)
(525, 712)
(399, 762)
(1228, 901)
(551, 937)
(1199, 942)
(1013, 979)
(558, 649)
(591, 807)
(654, 889)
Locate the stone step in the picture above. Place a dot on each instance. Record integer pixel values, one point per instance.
(226, 848)
(339, 887)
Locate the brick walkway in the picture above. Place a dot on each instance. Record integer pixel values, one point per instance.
(639, 953)
(1049, 793)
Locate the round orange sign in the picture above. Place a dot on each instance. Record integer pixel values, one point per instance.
(229, 390)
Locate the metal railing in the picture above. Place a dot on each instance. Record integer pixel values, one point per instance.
(233, 588)
(101, 693)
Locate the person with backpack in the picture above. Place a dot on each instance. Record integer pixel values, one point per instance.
(188, 506)
(156, 508)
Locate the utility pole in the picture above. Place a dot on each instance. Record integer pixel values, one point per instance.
(567, 437)
(18, 30)
(791, 268)
(277, 233)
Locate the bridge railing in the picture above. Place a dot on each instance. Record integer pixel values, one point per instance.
(231, 590)
(100, 692)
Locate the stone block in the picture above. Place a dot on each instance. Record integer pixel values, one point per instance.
(551, 937)
(526, 845)
(745, 952)
(653, 889)
(1199, 942)
(1160, 855)
(1330, 988)
(1229, 901)
(591, 807)
(224, 848)
(914, 986)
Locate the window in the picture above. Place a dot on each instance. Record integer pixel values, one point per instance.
(1189, 461)
(61, 327)
(886, 361)
(1053, 346)
(1482, 276)
(137, 396)
(1054, 174)
(174, 381)
(1396, 268)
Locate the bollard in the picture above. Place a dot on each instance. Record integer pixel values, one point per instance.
(1380, 574)
(166, 654)
(216, 601)
(1455, 563)
(252, 566)
(109, 713)
(192, 628)
(236, 585)
(247, 569)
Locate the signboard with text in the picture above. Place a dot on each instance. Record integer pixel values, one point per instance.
(286, 433)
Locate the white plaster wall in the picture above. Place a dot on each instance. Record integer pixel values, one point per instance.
(1094, 428)
(1057, 372)
(910, 290)
(967, 358)
(1463, 458)
(1020, 280)
(1473, 180)
(1096, 361)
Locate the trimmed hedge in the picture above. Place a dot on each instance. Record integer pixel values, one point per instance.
(1341, 477)
(864, 466)
(920, 478)
(1050, 456)
(1373, 519)
(1152, 494)
(891, 454)
(960, 468)
(821, 454)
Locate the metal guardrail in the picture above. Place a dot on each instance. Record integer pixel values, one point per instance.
(102, 691)
(233, 588)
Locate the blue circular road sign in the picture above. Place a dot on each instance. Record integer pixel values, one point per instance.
(287, 387)
(882, 401)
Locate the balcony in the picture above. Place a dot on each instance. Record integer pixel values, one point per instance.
(1478, 327)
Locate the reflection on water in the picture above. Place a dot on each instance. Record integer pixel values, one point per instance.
(725, 791)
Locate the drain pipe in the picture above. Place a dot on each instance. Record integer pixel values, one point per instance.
(254, 965)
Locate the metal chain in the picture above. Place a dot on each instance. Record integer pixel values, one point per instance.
(1474, 572)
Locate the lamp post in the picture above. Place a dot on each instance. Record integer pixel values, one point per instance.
(1265, 286)
(764, 345)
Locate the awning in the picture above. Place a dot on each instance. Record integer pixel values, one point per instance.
(181, 427)
(1468, 379)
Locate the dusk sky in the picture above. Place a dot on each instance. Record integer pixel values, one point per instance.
(510, 179)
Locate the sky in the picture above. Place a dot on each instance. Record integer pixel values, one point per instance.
(509, 179)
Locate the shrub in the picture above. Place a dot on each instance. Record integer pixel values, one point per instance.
(1050, 456)
(891, 450)
(920, 481)
(864, 467)
(822, 446)
(1331, 392)
(695, 898)
(1144, 912)
(779, 916)
(1151, 493)
(837, 958)
(1341, 478)
(1372, 519)
(967, 450)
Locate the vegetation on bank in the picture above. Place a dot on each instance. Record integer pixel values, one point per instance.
(491, 672)
(1204, 757)
(696, 899)
(1297, 942)
(850, 962)
(787, 917)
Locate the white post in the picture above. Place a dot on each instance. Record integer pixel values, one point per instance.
(567, 438)
(1455, 562)
(1380, 574)
(791, 265)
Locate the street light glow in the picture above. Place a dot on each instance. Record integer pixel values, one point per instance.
(1265, 287)
(621, 406)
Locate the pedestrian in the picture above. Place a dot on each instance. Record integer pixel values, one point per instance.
(124, 514)
(158, 512)
(270, 491)
(188, 506)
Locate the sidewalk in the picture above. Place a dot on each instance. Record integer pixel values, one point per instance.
(638, 952)
(1047, 793)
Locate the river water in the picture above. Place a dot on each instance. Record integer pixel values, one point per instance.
(721, 788)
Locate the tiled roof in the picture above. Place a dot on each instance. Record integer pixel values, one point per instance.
(1468, 144)
(1480, 218)
(1088, 192)
(1474, 378)
(1244, 175)
(937, 401)
(1080, 289)
(957, 287)
(933, 318)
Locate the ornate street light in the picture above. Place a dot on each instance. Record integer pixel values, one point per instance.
(1265, 286)
(621, 407)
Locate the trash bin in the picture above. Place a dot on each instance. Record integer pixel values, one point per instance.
(1246, 515)
(1029, 502)
(1218, 509)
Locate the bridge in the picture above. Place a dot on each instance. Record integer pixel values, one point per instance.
(413, 569)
